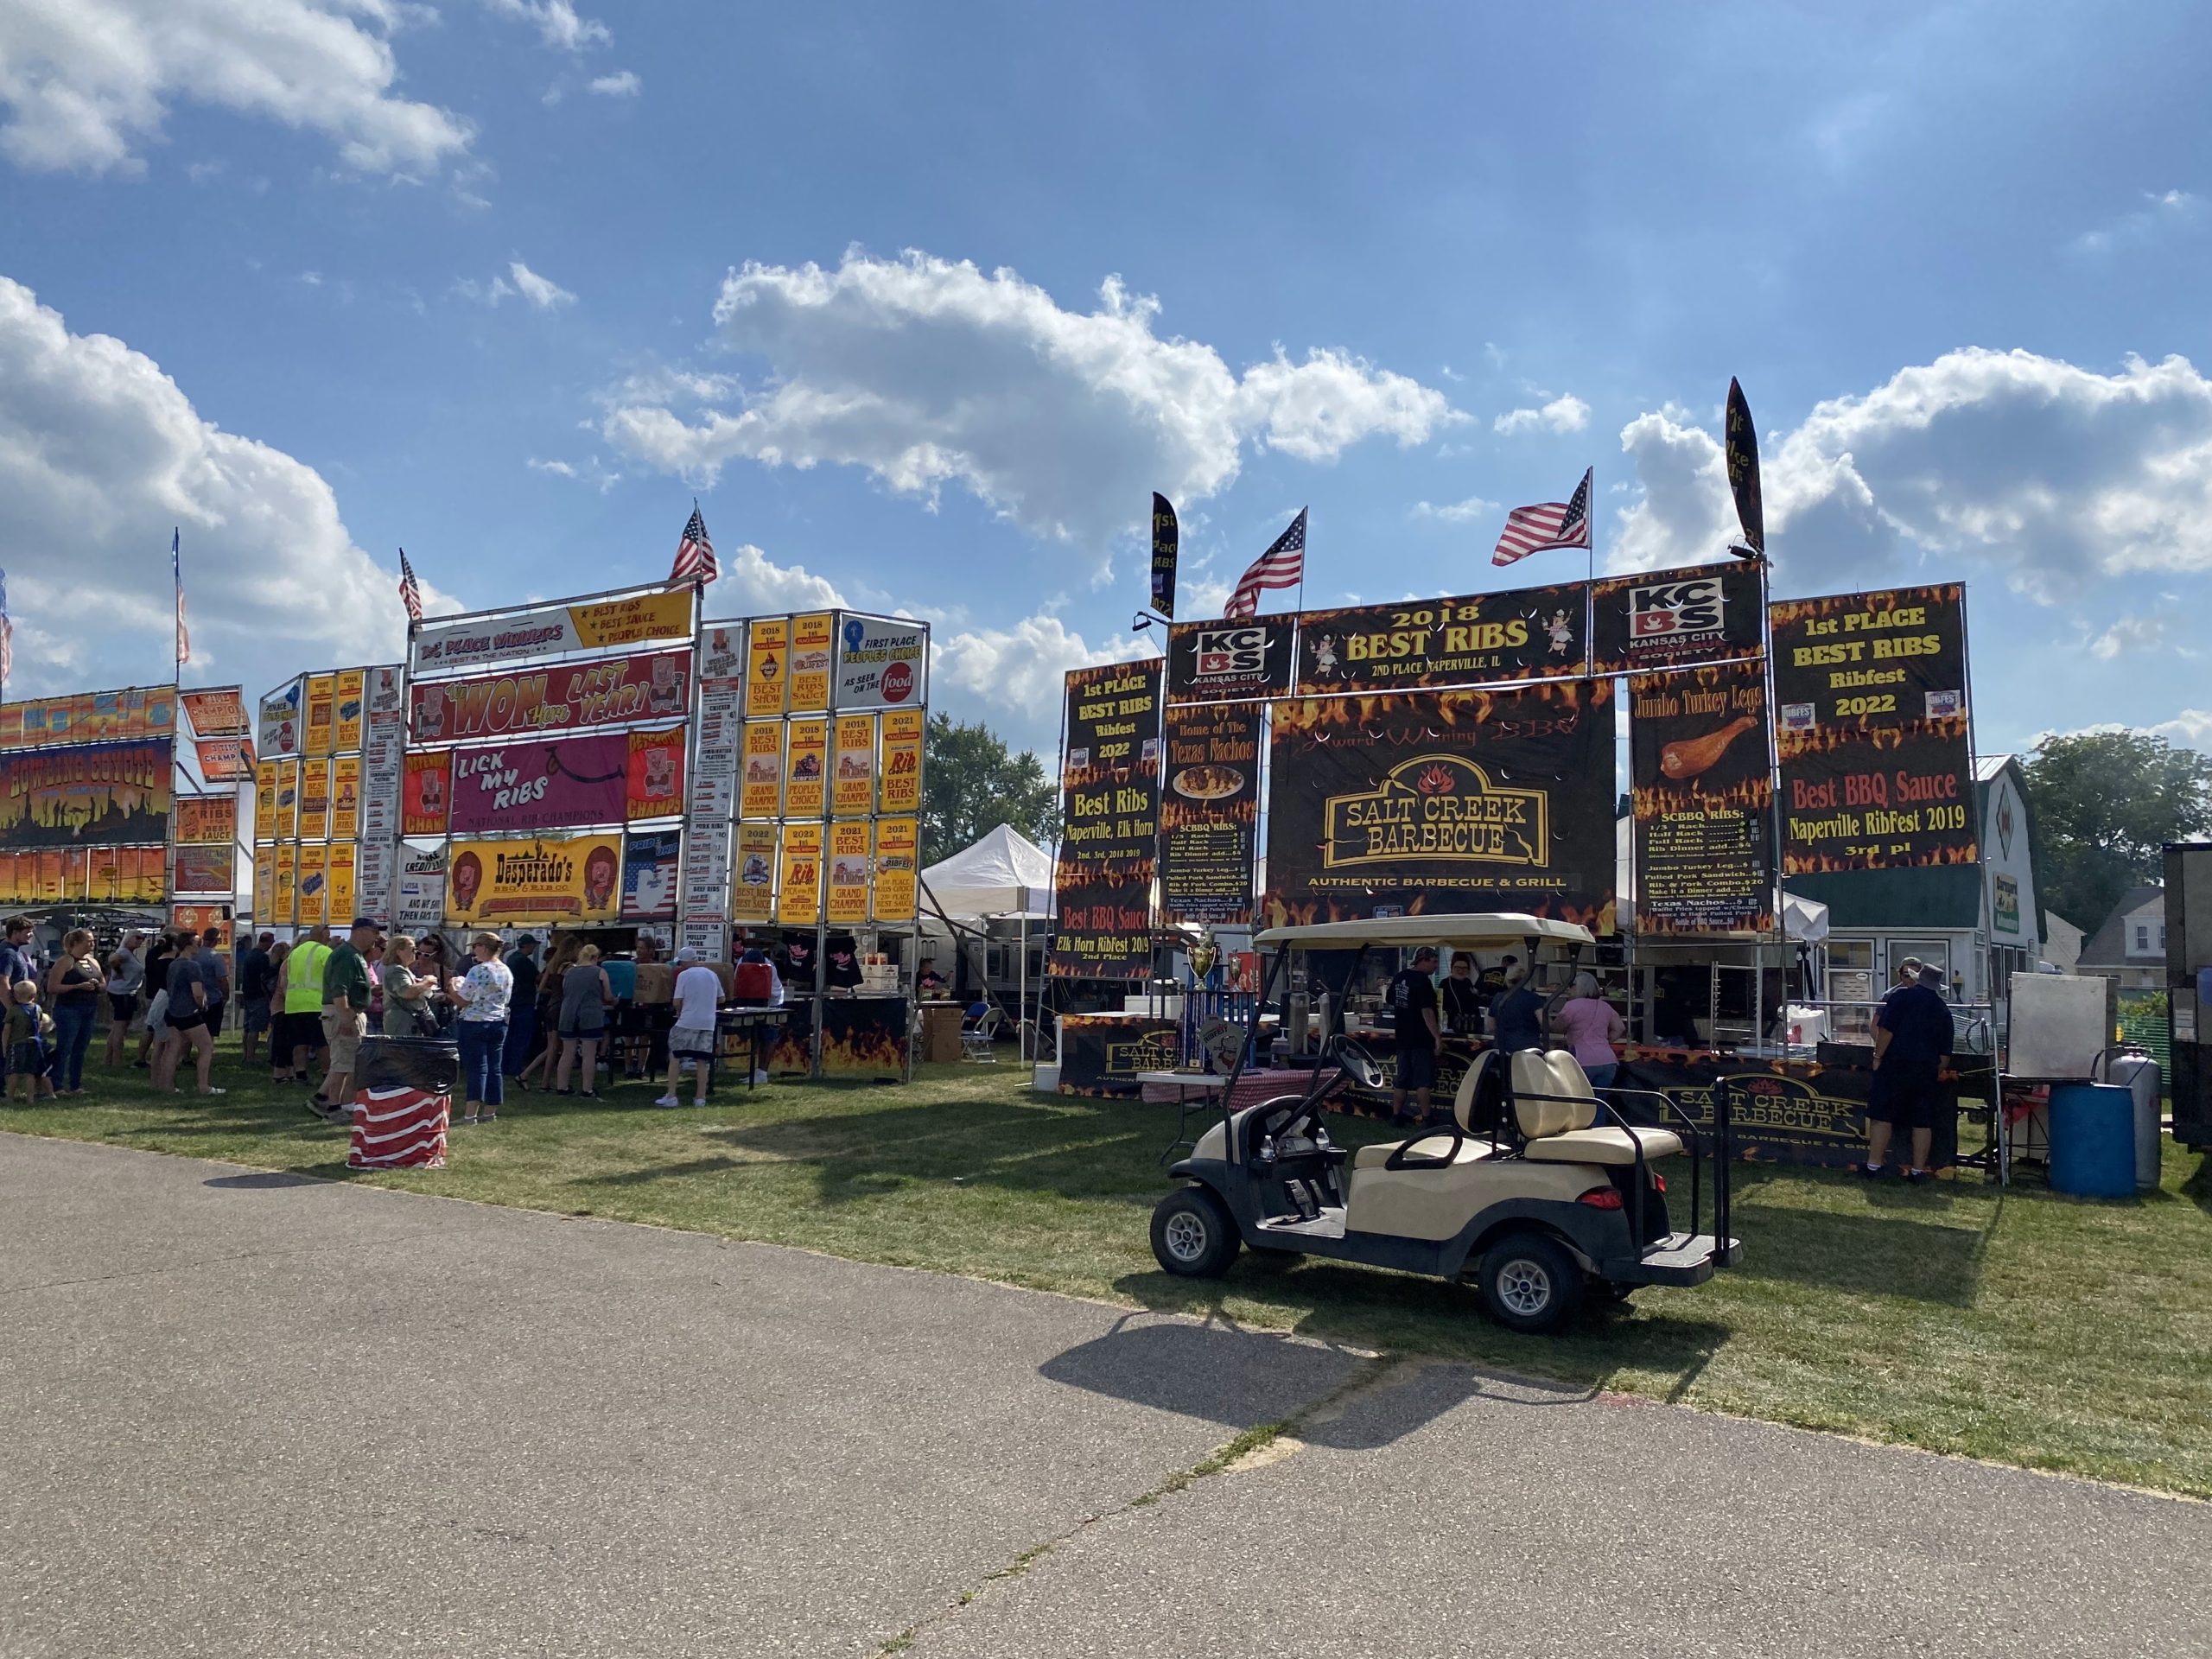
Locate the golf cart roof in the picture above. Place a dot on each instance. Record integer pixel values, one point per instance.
(1481, 931)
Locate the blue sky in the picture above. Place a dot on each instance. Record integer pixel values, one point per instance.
(507, 281)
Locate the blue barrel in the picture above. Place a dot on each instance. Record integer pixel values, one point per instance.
(2093, 1140)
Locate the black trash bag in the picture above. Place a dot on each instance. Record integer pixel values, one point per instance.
(422, 1063)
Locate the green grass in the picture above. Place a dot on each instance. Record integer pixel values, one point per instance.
(2023, 1327)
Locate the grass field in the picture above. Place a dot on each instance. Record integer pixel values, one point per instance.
(2024, 1327)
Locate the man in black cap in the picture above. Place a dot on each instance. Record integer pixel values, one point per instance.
(1912, 1035)
(1412, 999)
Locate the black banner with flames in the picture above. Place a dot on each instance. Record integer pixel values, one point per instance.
(1210, 813)
(1109, 834)
(1443, 802)
(1702, 793)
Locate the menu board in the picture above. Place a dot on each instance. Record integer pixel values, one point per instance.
(1873, 731)
(1702, 795)
(1231, 661)
(1445, 802)
(1530, 634)
(1210, 813)
(1671, 618)
(903, 733)
(1109, 832)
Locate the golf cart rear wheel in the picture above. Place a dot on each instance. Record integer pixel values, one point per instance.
(1193, 1234)
(1529, 1283)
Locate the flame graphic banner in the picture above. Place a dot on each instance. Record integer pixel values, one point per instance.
(96, 795)
(1110, 814)
(1442, 803)
(1702, 793)
(1210, 813)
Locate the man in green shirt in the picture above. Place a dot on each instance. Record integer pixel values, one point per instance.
(346, 1016)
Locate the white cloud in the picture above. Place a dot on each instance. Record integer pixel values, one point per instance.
(87, 83)
(590, 471)
(622, 84)
(2054, 474)
(2163, 213)
(1015, 672)
(100, 454)
(752, 584)
(489, 293)
(545, 295)
(1456, 513)
(924, 371)
(2131, 634)
(1563, 414)
(558, 26)
(2192, 728)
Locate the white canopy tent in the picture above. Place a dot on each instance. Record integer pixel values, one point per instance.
(1005, 874)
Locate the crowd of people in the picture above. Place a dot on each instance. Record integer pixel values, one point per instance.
(1499, 1004)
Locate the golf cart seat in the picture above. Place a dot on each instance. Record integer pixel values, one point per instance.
(1436, 1150)
(1555, 1106)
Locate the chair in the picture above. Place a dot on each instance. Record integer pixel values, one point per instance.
(979, 1034)
(1442, 1149)
(1555, 1106)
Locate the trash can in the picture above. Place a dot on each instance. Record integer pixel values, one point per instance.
(2093, 1140)
(2137, 1070)
(402, 1097)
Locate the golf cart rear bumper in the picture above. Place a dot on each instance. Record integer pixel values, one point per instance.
(1678, 1259)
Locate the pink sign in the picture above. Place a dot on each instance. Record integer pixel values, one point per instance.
(563, 783)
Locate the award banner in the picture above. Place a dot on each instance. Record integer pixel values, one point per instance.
(649, 874)
(753, 895)
(1873, 731)
(200, 869)
(721, 655)
(538, 881)
(798, 900)
(1530, 634)
(848, 858)
(1702, 795)
(565, 782)
(600, 625)
(345, 797)
(283, 712)
(206, 819)
(314, 800)
(1671, 619)
(1110, 775)
(654, 772)
(1210, 813)
(763, 791)
(897, 861)
(341, 868)
(1444, 803)
(903, 731)
(806, 759)
(353, 694)
(1103, 929)
(284, 907)
(322, 713)
(426, 796)
(1166, 543)
(218, 711)
(92, 794)
(314, 884)
(89, 717)
(811, 636)
(882, 662)
(264, 800)
(767, 667)
(853, 795)
(566, 697)
(224, 759)
(421, 905)
(288, 800)
(1237, 661)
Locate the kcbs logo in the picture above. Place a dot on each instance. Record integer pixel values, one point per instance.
(1231, 651)
(1675, 610)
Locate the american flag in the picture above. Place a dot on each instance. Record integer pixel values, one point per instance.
(1283, 565)
(410, 591)
(1548, 524)
(694, 554)
(176, 569)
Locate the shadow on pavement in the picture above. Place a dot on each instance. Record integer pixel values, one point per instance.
(1214, 1372)
(265, 1178)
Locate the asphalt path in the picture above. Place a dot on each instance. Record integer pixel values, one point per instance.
(248, 1415)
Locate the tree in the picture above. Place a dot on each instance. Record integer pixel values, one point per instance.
(2104, 803)
(972, 783)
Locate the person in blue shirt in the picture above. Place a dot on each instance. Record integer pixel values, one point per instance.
(1912, 1034)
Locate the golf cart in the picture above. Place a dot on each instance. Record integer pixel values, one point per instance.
(1535, 1187)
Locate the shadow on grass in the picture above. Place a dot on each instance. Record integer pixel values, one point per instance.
(1881, 1255)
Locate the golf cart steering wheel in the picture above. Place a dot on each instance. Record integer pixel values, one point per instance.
(1358, 1064)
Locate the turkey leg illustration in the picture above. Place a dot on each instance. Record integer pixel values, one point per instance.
(1693, 755)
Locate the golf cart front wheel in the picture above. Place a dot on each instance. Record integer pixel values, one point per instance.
(1193, 1235)
(1529, 1283)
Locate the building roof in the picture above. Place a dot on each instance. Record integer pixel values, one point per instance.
(1986, 766)
(2107, 946)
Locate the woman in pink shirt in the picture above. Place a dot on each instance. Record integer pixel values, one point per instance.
(1590, 1027)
